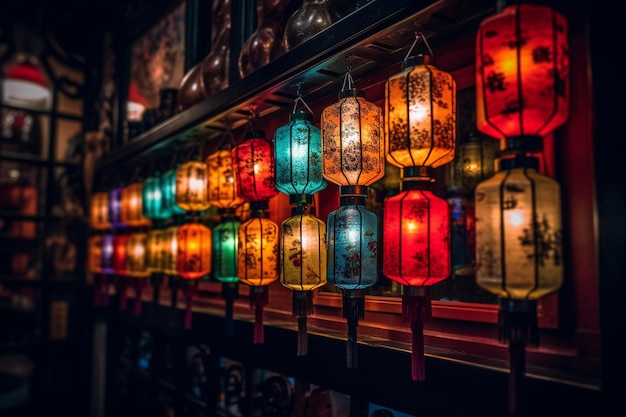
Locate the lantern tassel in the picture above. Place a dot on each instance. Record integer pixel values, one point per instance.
(417, 309)
(123, 300)
(258, 300)
(190, 291)
(229, 293)
(517, 325)
(302, 306)
(353, 311)
(138, 291)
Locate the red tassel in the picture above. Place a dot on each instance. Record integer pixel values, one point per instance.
(258, 300)
(418, 372)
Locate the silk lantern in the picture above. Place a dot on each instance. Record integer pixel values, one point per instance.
(191, 186)
(115, 207)
(222, 193)
(168, 193)
(353, 151)
(522, 74)
(254, 165)
(99, 211)
(420, 109)
(119, 266)
(156, 247)
(476, 161)
(193, 260)
(298, 154)
(152, 199)
(519, 253)
(416, 254)
(132, 206)
(136, 265)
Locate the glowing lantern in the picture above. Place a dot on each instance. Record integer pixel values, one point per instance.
(115, 207)
(522, 74)
(476, 161)
(222, 186)
(155, 250)
(94, 249)
(519, 255)
(225, 244)
(302, 264)
(119, 266)
(108, 251)
(170, 250)
(416, 232)
(136, 265)
(298, 155)
(193, 260)
(191, 186)
(353, 150)
(258, 262)
(420, 115)
(132, 206)
(253, 162)
(99, 211)
(168, 193)
(152, 199)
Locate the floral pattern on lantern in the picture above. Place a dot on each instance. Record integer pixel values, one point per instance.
(168, 193)
(191, 186)
(155, 250)
(222, 186)
(225, 244)
(170, 250)
(136, 256)
(258, 251)
(522, 72)
(298, 156)
(254, 165)
(353, 146)
(194, 244)
(420, 115)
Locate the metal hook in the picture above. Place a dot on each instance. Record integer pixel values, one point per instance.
(418, 35)
(300, 99)
(347, 80)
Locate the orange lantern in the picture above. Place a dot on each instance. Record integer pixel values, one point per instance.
(132, 206)
(193, 261)
(522, 74)
(99, 211)
(191, 186)
(221, 182)
(94, 248)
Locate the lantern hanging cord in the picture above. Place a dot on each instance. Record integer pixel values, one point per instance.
(347, 80)
(299, 99)
(418, 35)
(253, 115)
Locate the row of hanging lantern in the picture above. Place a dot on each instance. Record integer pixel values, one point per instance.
(521, 95)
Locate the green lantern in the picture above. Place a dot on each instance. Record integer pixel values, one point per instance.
(153, 207)
(225, 244)
(168, 193)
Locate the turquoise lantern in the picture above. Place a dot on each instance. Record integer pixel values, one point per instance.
(153, 207)
(168, 193)
(225, 244)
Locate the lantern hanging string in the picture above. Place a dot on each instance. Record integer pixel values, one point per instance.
(347, 80)
(299, 99)
(418, 35)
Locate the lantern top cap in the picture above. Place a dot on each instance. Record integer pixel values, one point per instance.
(519, 161)
(255, 134)
(301, 114)
(351, 92)
(421, 59)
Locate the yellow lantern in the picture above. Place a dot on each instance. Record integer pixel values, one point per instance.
(222, 186)
(170, 250)
(99, 211)
(191, 186)
(136, 256)
(155, 251)
(132, 206)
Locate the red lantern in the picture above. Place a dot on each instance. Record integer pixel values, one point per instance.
(119, 266)
(522, 73)
(253, 162)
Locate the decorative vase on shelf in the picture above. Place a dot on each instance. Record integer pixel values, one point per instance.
(215, 65)
(191, 89)
(264, 45)
(309, 19)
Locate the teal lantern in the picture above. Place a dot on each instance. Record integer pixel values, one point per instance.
(153, 207)
(298, 151)
(225, 243)
(168, 193)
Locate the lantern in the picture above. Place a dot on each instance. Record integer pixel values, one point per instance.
(221, 183)
(416, 254)
(476, 161)
(420, 107)
(253, 162)
(136, 265)
(106, 262)
(156, 248)
(518, 251)
(257, 263)
(115, 207)
(119, 266)
(353, 150)
(302, 264)
(522, 74)
(132, 206)
(191, 186)
(99, 211)
(168, 193)
(298, 155)
(420, 114)
(94, 246)
(225, 244)
(152, 199)
(193, 260)
(170, 250)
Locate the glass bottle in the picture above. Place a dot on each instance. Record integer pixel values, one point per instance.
(308, 20)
